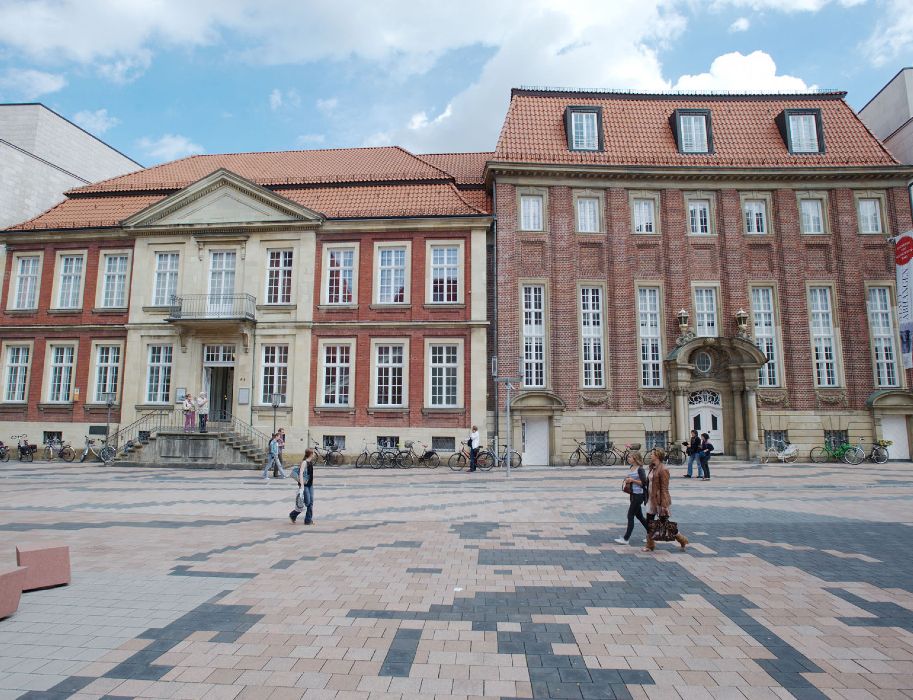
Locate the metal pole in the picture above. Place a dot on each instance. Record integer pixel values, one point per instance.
(509, 431)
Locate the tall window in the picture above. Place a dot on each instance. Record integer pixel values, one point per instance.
(584, 136)
(17, 368)
(27, 282)
(392, 269)
(591, 336)
(755, 216)
(803, 133)
(114, 286)
(61, 389)
(389, 375)
(158, 374)
(107, 371)
(279, 277)
(812, 213)
(166, 278)
(337, 366)
(693, 133)
(70, 284)
(822, 319)
(588, 214)
(648, 318)
(644, 216)
(870, 215)
(765, 333)
(533, 335)
(445, 274)
(882, 326)
(444, 367)
(340, 276)
(275, 373)
(705, 311)
(531, 212)
(699, 216)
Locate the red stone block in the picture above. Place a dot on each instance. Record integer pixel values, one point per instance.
(11, 583)
(47, 566)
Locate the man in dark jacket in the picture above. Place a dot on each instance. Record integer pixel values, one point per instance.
(706, 450)
(693, 450)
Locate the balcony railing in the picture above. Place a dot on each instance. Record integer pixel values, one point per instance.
(241, 307)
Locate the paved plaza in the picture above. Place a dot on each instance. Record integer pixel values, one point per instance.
(428, 583)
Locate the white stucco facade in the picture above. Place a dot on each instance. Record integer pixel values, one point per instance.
(889, 115)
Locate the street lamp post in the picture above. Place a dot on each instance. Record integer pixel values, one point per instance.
(109, 402)
(275, 400)
(508, 381)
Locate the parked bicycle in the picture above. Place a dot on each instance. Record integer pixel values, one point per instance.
(423, 458)
(613, 454)
(106, 454)
(385, 458)
(26, 451)
(879, 452)
(851, 454)
(516, 461)
(363, 459)
(780, 451)
(56, 448)
(596, 456)
(485, 460)
(674, 454)
(329, 455)
(4, 452)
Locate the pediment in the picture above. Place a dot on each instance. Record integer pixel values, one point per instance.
(222, 198)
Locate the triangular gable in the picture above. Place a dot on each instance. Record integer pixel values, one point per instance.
(222, 198)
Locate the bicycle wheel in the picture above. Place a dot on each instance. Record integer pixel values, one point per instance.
(610, 458)
(364, 459)
(334, 458)
(597, 459)
(880, 454)
(516, 461)
(48, 453)
(433, 461)
(769, 456)
(819, 455)
(574, 459)
(854, 456)
(375, 460)
(5, 455)
(68, 454)
(27, 456)
(675, 457)
(485, 460)
(457, 461)
(404, 460)
(790, 455)
(107, 454)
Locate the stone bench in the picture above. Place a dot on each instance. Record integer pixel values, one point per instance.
(46, 566)
(11, 583)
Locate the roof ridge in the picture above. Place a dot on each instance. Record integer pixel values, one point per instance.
(539, 91)
(456, 191)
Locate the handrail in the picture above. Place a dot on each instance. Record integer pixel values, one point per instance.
(243, 430)
(213, 306)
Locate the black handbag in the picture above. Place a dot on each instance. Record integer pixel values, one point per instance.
(662, 530)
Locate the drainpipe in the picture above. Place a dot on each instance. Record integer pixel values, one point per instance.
(253, 369)
(494, 282)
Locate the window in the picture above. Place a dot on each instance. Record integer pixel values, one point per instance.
(825, 351)
(70, 286)
(389, 375)
(158, 374)
(765, 333)
(218, 355)
(17, 370)
(775, 439)
(693, 134)
(533, 335)
(588, 214)
(392, 276)
(114, 285)
(597, 440)
(591, 336)
(755, 216)
(803, 133)
(61, 377)
(107, 371)
(55, 436)
(27, 282)
(648, 317)
(166, 278)
(444, 366)
(275, 373)
(279, 277)
(656, 439)
(340, 275)
(334, 442)
(584, 130)
(869, 210)
(443, 444)
(531, 212)
(644, 216)
(699, 217)
(445, 274)
(705, 312)
(882, 327)
(389, 441)
(812, 215)
(835, 438)
(337, 367)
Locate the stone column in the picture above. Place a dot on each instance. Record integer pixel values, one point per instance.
(739, 442)
(751, 420)
(681, 415)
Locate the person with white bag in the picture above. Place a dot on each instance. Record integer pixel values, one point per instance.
(304, 499)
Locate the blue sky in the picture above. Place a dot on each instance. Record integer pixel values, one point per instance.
(161, 79)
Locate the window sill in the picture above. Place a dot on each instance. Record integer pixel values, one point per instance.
(334, 409)
(337, 307)
(22, 312)
(442, 410)
(701, 236)
(105, 310)
(277, 307)
(644, 234)
(822, 234)
(444, 306)
(390, 307)
(382, 410)
(156, 309)
(53, 406)
(154, 406)
(64, 312)
(13, 406)
(590, 233)
(95, 406)
(267, 408)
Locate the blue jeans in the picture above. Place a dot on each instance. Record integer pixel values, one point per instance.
(691, 460)
(273, 459)
(308, 504)
(705, 463)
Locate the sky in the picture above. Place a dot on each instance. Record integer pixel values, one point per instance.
(163, 79)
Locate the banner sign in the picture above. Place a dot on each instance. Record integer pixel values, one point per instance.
(903, 258)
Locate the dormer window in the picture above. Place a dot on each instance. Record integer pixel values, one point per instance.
(692, 130)
(584, 128)
(802, 130)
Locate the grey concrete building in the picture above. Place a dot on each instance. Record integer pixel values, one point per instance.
(889, 115)
(42, 155)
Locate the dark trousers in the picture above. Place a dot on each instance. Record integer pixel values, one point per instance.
(635, 511)
(203, 418)
(473, 454)
(705, 464)
(308, 504)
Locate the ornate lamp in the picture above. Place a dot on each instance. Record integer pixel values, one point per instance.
(684, 335)
(741, 319)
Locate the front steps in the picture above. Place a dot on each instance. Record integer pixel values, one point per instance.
(216, 449)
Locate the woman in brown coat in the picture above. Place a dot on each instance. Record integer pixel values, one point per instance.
(659, 503)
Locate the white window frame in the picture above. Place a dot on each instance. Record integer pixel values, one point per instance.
(21, 370)
(821, 199)
(692, 209)
(869, 225)
(588, 132)
(587, 222)
(694, 136)
(65, 393)
(283, 273)
(643, 215)
(706, 315)
(534, 335)
(337, 366)
(591, 305)
(16, 284)
(108, 368)
(376, 343)
(163, 384)
(106, 277)
(755, 216)
(274, 367)
(430, 247)
(529, 216)
(824, 336)
(649, 301)
(880, 305)
(68, 284)
(766, 337)
(165, 281)
(379, 249)
(803, 132)
(328, 250)
(457, 366)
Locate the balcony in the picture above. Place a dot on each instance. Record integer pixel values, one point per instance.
(212, 307)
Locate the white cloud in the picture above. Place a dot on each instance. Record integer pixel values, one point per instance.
(28, 84)
(306, 140)
(783, 5)
(275, 99)
(169, 147)
(279, 99)
(742, 24)
(126, 69)
(734, 72)
(97, 122)
(328, 105)
(892, 38)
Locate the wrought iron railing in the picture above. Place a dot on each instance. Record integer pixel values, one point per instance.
(213, 306)
(244, 431)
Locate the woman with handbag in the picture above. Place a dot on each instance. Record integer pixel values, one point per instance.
(635, 485)
(304, 500)
(659, 527)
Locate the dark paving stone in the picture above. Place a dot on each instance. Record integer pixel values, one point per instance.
(187, 571)
(64, 689)
(423, 570)
(283, 564)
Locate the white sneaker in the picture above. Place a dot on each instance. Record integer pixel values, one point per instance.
(621, 540)
(265, 478)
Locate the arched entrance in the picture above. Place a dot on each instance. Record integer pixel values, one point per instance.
(536, 417)
(892, 413)
(705, 415)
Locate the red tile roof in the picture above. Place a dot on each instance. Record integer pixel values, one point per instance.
(89, 212)
(466, 168)
(637, 131)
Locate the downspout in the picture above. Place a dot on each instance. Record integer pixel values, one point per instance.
(494, 282)
(253, 369)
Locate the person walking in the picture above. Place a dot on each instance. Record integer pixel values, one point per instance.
(635, 485)
(280, 436)
(189, 413)
(203, 410)
(273, 458)
(474, 439)
(659, 527)
(707, 449)
(693, 450)
(305, 497)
